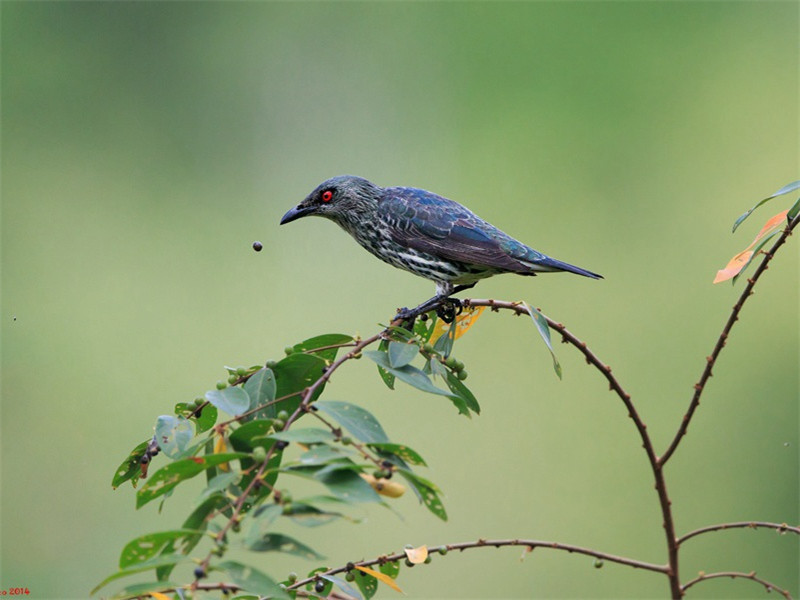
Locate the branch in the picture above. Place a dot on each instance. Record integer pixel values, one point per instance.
(529, 544)
(699, 387)
(615, 386)
(779, 527)
(769, 586)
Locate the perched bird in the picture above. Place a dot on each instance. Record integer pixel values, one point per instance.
(424, 233)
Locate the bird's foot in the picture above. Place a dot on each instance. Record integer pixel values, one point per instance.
(446, 308)
(449, 309)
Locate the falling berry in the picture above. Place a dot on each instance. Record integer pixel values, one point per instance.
(257, 246)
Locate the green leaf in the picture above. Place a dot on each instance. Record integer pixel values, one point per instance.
(544, 331)
(174, 473)
(309, 515)
(366, 583)
(261, 388)
(407, 454)
(233, 400)
(390, 568)
(141, 567)
(407, 374)
(321, 455)
(146, 546)
(304, 436)
(387, 377)
(793, 212)
(206, 419)
(252, 580)
(457, 387)
(313, 344)
(278, 542)
(130, 467)
(252, 434)
(343, 585)
(294, 374)
(347, 485)
(784, 190)
(400, 354)
(219, 483)
(444, 345)
(173, 434)
(424, 329)
(355, 419)
(426, 491)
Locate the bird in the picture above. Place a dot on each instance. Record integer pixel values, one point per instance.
(426, 234)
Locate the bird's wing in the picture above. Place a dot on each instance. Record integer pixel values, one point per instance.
(429, 223)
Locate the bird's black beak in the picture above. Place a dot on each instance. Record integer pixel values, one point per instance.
(296, 213)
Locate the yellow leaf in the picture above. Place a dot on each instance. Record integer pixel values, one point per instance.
(739, 262)
(463, 322)
(381, 577)
(417, 555)
(220, 447)
(385, 487)
(160, 596)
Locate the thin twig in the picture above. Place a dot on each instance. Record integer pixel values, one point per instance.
(768, 585)
(482, 543)
(711, 360)
(779, 527)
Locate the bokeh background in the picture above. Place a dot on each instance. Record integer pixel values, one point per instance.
(145, 146)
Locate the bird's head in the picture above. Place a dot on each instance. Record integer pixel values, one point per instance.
(341, 199)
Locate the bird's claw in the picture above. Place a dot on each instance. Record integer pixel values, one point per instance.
(449, 309)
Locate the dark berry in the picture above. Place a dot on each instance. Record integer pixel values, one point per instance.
(199, 573)
(257, 246)
(319, 586)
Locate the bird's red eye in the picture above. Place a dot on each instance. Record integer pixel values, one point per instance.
(327, 195)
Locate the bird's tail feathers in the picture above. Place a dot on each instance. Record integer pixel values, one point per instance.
(552, 265)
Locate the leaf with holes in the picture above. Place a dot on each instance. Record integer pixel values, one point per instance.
(385, 577)
(174, 473)
(426, 491)
(130, 467)
(173, 434)
(407, 454)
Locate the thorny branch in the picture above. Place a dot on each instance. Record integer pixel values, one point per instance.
(733, 575)
(711, 360)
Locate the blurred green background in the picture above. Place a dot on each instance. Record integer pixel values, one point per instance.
(145, 146)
